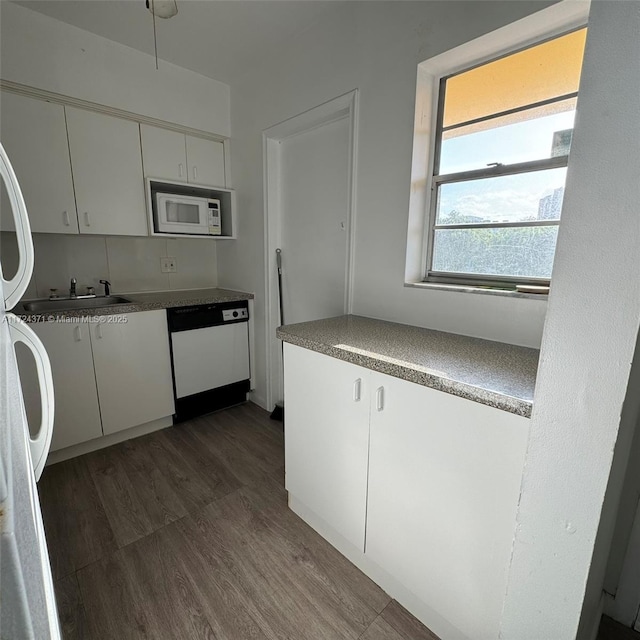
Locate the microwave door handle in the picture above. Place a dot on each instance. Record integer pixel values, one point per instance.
(15, 287)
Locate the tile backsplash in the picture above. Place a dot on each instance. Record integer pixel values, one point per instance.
(130, 264)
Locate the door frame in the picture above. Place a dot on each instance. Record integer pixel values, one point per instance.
(344, 106)
(624, 606)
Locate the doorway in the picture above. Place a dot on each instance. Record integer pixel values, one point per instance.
(309, 197)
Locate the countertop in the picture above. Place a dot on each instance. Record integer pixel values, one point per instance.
(148, 301)
(491, 373)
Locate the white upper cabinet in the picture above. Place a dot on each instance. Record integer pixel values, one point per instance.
(205, 160)
(107, 170)
(34, 135)
(175, 156)
(164, 153)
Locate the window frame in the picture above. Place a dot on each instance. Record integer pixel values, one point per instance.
(547, 24)
(438, 179)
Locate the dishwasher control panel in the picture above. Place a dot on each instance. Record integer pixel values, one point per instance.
(234, 314)
(207, 315)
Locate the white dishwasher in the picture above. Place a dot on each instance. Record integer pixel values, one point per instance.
(209, 357)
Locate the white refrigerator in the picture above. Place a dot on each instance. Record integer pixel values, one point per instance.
(27, 602)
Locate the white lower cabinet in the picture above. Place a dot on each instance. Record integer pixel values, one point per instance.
(107, 376)
(327, 435)
(444, 481)
(133, 369)
(77, 412)
(436, 502)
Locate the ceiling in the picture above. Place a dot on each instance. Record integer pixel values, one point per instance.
(220, 39)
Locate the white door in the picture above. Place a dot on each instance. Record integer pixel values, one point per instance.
(107, 173)
(34, 135)
(205, 159)
(327, 439)
(77, 413)
(314, 195)
(133, 369)
(444, 481)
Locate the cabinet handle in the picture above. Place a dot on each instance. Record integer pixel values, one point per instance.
(78, 333)
(99, 331)
(65, 219)
(357, 390)
(380, 399)
(180, 170)
(195, 173)
(87, 220)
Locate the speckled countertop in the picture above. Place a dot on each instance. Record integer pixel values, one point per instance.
(141, 302)
(492, 373)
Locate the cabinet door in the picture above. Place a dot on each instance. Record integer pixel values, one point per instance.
(34, 135)
(133, 369)
(327, 439)
(107, 173)
(164, 153)
(205, 159)
(444, 481)
(77, 413)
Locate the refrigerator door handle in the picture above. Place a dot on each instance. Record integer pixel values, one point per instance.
(40, 443)
(15, 288)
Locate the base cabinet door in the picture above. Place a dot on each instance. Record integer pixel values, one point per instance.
(133, 369)
(327, 439)
(444, 481)
(77, 412)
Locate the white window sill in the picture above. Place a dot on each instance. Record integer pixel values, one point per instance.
(480, 290)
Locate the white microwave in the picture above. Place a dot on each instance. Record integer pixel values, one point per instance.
(187, 215)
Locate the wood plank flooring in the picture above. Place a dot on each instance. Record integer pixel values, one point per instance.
(185, 533)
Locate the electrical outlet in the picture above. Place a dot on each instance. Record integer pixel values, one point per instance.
(168, 265)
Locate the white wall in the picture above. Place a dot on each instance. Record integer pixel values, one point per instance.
(48, 54)
(130, 264)
(579, 442)
(375, 47)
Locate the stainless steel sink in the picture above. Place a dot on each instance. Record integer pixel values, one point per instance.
(42, 306)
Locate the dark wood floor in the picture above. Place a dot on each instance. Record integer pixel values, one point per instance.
(612, 630)
(185, 533)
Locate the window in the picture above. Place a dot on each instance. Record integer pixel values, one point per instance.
(502, 143)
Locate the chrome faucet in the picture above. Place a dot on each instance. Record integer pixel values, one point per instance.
(106, 284)
(72, 288)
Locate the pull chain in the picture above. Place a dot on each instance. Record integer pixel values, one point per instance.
(155, 38)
